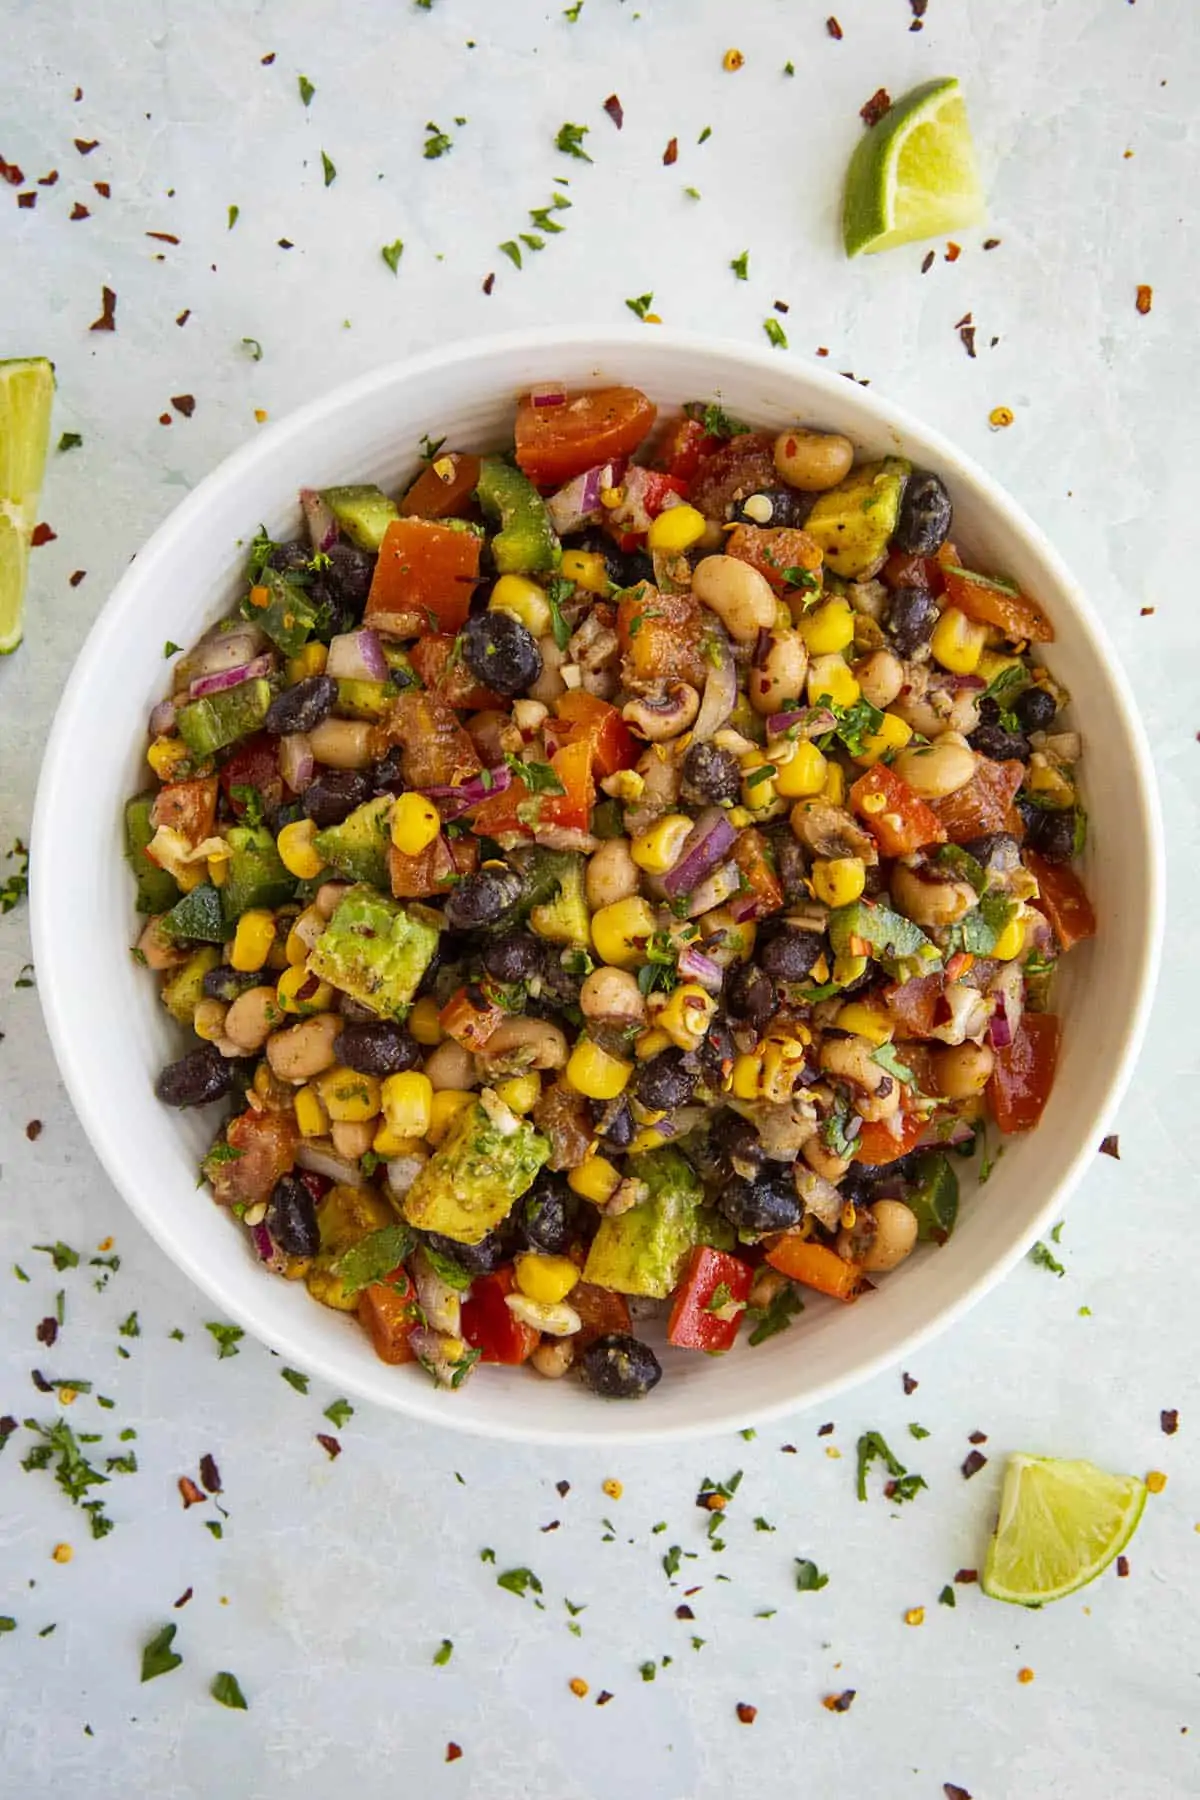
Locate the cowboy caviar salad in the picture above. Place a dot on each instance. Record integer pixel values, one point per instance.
(621, 875)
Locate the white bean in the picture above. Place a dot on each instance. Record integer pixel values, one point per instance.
(450, 1066)
(937, 769)
(781, 675)
(612, 874)
(962, 1070)
(304, 1050)
(930, 903)
(813, 460)
(895, 1236)
(352, 1138)
(539, 1044)
(549, 684)
(880, 677)
(252, 1017)
(612, 994)
(342, 743)
(553, 1359)
(742, 599)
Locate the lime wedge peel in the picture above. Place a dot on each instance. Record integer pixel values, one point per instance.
(1061, 1524)
(26, 398)
(913, 174)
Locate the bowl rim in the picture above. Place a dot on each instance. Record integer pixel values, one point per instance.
(607, 344)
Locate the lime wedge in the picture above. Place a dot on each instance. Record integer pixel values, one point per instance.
(26, 395)
(913, 173)
(1060, 1525)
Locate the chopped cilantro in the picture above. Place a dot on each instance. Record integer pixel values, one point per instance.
(215, 1526)
(512, 252)
(487, 1555)
(234, 214)
(255, 349)
(761, 1524)
(19, 1272)
(946, 1597)
(885, 1055)
(329, 170)
(519, 1582)
(775, 333)
(776, 1316)
(741, 265)
(640, 305)
(295, 1379)
(692, 193)
(61, 1254)
(70, 440)
(722, 1296)
(171, 649)
(1055, 1235)
(872, 1447)
(748, 1432)
(437, 143)
(918, 1431)
(443, 1653)
(307, 90)
(855, 724)
(539, 778)
(158, 1658)
(373, 1257)
(705, 135)
(227, 1339)
(570, 141)
(571, 13)
(648, 1670)
(129, 1327)
(789, 68)
(559, 590)
(16, 886)
(338, 1412)
(226, 1691)
(1044, 1257)
(715, 420)
(809, 1579)
(391, 254)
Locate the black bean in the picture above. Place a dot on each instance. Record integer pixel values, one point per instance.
(767, 1202)
(224, 983)
(197, 1079)
(620, 1367)
(998, 852)
(292, 558)
(301, 708)
(476, 1259)
(334, 795)
(992, 738)
(482, 898)
(911, 618)
(515, 957)
(786, 507)
(737, 1141)
(925, 516)
(750, 994)
(384, 1048)
(348, 574)
(1035, 709)
(716, 1053)
(545, 1217)
(791, 866)
(501, 652)
(1052, 834)
(791, 953)
(292, 1217)
(663, 1083)
(616, 1124)
(710, 774)
(387, 777)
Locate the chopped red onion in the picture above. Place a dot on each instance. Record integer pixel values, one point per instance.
(451, 801)
(708, 843)
(573, 505)
(162, 719)
(813, 721)
(357, 656)
(262, 1242)
(695, 966)
(720, 695)
(1008, 987)
(550, 393)
(227, 646)
(296, 761)
(322, 526)
(743, 908)
(999, 1032)
(963, 681)
(229, 678)
(714, 890)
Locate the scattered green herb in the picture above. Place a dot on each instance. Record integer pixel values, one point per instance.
(16, 886)
(295, 1379)
(692, 193)
(809, 1578)
(872, 1447)
(70, 440)
(670, 1561)
(776, 1316)
(775, 333)
(328, 169)
(761, 1524)
(61, 1254)
(539, 778)
(437, 143)
(158, 1658)
(226, 1337)
(1044, 1258)
(373, 1257)
(640, 305)
(171, 649)
(226, 1691)
(129, 1327)
(443, 1653)
(307, 90)
(519, 1582)
(918, 1431)
(234, 215)
(648, 1670)
(885, 1055)
(572, 13)
(946, 1597)
(741, 266)
(487, 1555)
(338, 1412)
(391, 254)
(255, 349)
(705, 135)
(512, 252)
(216, 1527)
(570, 141)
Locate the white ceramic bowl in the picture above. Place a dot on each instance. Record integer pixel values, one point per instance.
(111, 1035)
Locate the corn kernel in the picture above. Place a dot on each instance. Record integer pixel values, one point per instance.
(687, 1015)
(595, 1179)
(447, 1104)
(252, 941)
(829, 679)
(747, 1070)
(848, 969)
(525, 600)
(521, 1092)
(1049, 782)
(1011, 941)
(835, 785)
(657, 848)
(651, 1043)
(300, 993)
(416, 822)
(349, 1097)
(840, 880)
(424, 1021)
(758, 783)
(306, 663)
(676, 530)
(803, 775)
(311, 1117)
(297, 851)
(739, 817)
(165, 755)
(586, 568)
(893, 734)
(190, 875)
(218, 870)
(387, 1143)
(646, 1139)
(548, 1279)
(622, 931)
(829, 629)
(407, 1102)
(593, 1072)
(611, 498)
(866, 1021)
(62, 1553)
(957, 642)
(578, 1687)
(1156, 1481)
(208, 1020)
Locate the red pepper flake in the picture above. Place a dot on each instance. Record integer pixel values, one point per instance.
(952, 1791)
(603, 1697)
(103, 189)
(108, 316)
(927, 262)
(165, 419)
(489, 282)
(191, 1493)
(839, 1702)
(834, 29)
(331, 1448)
(746, 1713)
(268, 59)
(615, 111)
(47, 1332)
(688, 1592)
(684, 1612)
(183, 1598)
(1169, 1421)
(781, 306)
(824, 1430)
(164, 237)
(48, 180)
(919, 9)
(973, 1464)
(184, 403)
(184, 316)
(977, 1437)
(963, 1576)
(285, 243)
(210, 1475)
(552, 1526)
(75, 579)
(11, 173)
(42, 534)
(1111, 1145)
(967, 334)
(453, 1752)
(85, 146)
(80, 212)
(28, 199)
(33, 1130)
(77, 95)
(562, 1489)
(909, 1383)
(876, 106)
(1145, 298)
(953, 251)
(671, 153)
(1147, 612)
(1122, 1566)
(991, 243)
(821, 350)
(790, 1449)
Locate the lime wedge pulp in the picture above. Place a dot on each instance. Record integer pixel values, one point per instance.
(913, 174)
(26, 396)
(1060, 1525)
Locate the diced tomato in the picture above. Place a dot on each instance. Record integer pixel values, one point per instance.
(189, 807)
(587, 719)
(489, 1326)
(781, 553)
(254, 764)
(434, 871)
(518, 811)
(758, 877)
(686, 446)
(425, 572)
(437, 751)
(556, 442)
(902, 570)
(695, 1323)
(662, 636)
(266, 1147)
(444, 487)
(388, 1311)
(603, 1312)
(1016, 615)
(469, 1017)
(452, 681)
(897, 818)
(984, 805)
(816, 1266)
(877, 1144)
(1023, 1073)
(913, 1004)
(1061, 897)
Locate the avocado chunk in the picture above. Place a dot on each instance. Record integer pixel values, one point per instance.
(375, 950)
(487, 1160)
(643, 1251)
(369, 700)
(184, 987)
(901, 947)
(157, 891)
(526, 543)
(219, 719)
(256, 876)
(854, 521)
(363, 512)
(287, 615)
(357, 848)
(197, 918)
(564, 917)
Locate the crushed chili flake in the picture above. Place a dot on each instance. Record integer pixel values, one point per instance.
(47, 1332)
(268, 59)
(103, 189)
(991, 243)
(671, 153)
(210, 1475)
(789, 1449)
(1156, 1481)
(1169, 1421)
(839, 1702)
(190, 1492)
(977, 1437)
(1146, 612)
(329, 1444)
(919, 8)
(489, 282)
(693, 1590)
(1024, 1676)
(552, 1526)
(164, 237)
(184, 403)
(165, 419)
(1122, 1566)
(603, 1697)
(453, 1752)
(615, 111)
(42, 534)
(909, 1382)
(184, 316)
(1145, 297)
(183, 1598)
(48, 180)
(29, 200)
(562, 1488)
(79, 212)
(285, 243)
(75, 579)
(967, 334)
(876, 106)
(108, 316)
(953, 251)
(915, 1615)
(973, 1464)
(746, 1713)
(85, 146)
(927, 262)
(781, 306)
(952, 1791)
(966, 1575)
(833, 28)
(11, 173)
(578, 1687)
(684, 1612)
(33, 1130)
(824, 1430)
(1111, 1146)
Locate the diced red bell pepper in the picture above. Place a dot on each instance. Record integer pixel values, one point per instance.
(388, 1312)
(452, 681)
(897, 818)
(985, 804)
(763, 893)
(877, 1144)
(583, 718)
(815, 1266)
(434, 871)
(490, 1327)
(780, 552)
(686, 446)
(913, 1005)
(603, 1311)
(1062, 899)
(254, 764)
(695, 1323)
(1023, 1073)
(662, 637)
(443, 489)
(189, 807)
(470, 1017)
(518, 811)
(990, 603)
(424, 577)
(437, 750)
(266, 1149)
(556, 442)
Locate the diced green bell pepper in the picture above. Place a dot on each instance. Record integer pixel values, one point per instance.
(157, 891)
(526, 543)
(256, 875)
(184, 987)
(289, 616)
(901, 947)
(357, 848)
(564, 918)
(363, 512)
(219, 719)
(932, 1193)
(197, 918)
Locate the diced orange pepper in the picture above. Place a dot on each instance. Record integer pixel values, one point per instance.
(189, 807)
(750, 855)
(781, 553)
(432, 873)
(985, 804)
(913, 1004)
(595, 722)
(517, 811)
(1023, 1073)
(425, 576)
(452, 681)
(815, 1266)
(897, 818)
(1061, 897)
(469, 1017)
(661, 637)
(876, 1144)
(444, 487)
(1016, 615)
(388, 1311)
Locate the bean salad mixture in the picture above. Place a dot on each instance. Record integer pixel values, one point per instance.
(619, 876)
